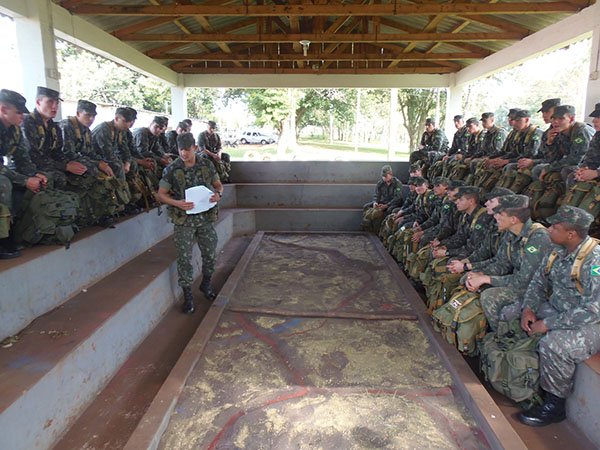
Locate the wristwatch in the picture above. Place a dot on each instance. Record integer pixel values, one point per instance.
(466, 267)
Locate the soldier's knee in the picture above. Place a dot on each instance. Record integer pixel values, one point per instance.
(5, 186)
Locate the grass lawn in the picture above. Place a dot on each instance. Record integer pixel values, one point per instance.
(314, 149)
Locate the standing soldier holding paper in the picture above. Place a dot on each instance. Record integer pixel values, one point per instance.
(185, 172)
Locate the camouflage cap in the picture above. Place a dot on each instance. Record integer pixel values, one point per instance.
(550, 103)
(129, 114)
(596, 111)
(512, 112)
(455, 184)
(386, 170)
(466, 190)
(47, 92)
(160, 121)
(183, 125)
(15, 99)
(429, 121)
(511, 201)
(498, 192)
(522, 114)
(573, 215)
(185, 140)
(188, 121)
(419, 181)
(414, 168)
(212, 124)
(132, 113)
(86, 107)
(441, 180)
(458, 117)
(166, 120)
(411, 181)
(562, 110)
(472, 120)
(487, 115)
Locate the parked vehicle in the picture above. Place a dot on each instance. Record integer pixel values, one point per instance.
(255, 137)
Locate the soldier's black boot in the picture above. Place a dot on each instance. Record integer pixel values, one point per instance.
(8, 249)
(206, 288)
(188, 301)
(553, 410)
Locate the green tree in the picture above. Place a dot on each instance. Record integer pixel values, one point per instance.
(416, 105)
(202, 103)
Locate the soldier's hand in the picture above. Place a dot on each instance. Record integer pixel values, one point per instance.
(417, 236)
(527, 318)
(127, 166)
(106, 169)
(34, 184)
(439, 252)
(524, 163)
(543, 174)
(42, 177)
(434, 243)
(586, 174)
(456, 266)
(186, 206)
(76, 168)
(539, 327)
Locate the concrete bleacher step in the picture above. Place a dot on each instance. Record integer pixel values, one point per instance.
(359, 172)
(115, 412)
(46, 276)
(583, 406)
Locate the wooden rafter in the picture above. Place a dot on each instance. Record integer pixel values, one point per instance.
(340, 71)
(310, 10)
(354, 37)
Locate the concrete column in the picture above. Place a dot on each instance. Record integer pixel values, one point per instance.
(393, 123)
(37, 52)
(453, 107)
(179, 109)
(593, 86)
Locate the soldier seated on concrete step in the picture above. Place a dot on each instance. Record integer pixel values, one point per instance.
(584, 185)
(25, 177)
(522, 248)
(182, 127)
(562, 302)
(388, 195)
(390, 224)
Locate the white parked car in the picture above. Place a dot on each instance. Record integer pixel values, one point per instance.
(255, 137)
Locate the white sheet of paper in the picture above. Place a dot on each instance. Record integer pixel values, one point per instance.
(199, 195)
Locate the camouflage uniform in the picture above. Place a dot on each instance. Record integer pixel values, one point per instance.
(19, 169)
(148, 145)
(567, 151)
(171, 137)
(99, 194)
(459, 146)
(212, 143)
(176, 178)
(107, 142)
(574, 320)
(45, 145)
(510, 273)
(434, 145)
(526, 145)
(388, 194)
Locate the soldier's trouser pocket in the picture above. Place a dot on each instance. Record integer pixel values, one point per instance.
(5, 221)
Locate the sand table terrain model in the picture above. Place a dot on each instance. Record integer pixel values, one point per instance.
(358, 373)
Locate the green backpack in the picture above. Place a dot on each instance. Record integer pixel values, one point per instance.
(48, 218)
(510, 362)
(461, 321)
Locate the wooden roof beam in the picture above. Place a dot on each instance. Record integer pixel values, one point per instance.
(341, 71)
(388, 9)
(329, 38)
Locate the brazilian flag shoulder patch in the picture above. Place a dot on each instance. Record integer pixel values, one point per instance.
(446, 206)
(532, 249)
(578, 140)
(498, 137)
(595, 270)
(478, 227)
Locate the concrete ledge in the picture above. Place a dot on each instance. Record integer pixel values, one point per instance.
(287, 219)
(313, 172)
(583, 406)
(305, 195)
(45, 277)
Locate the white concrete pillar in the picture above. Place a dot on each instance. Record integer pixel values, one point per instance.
(453, 107)
(179, 110)
(393, 123)
(593, 87)
(37, 52)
